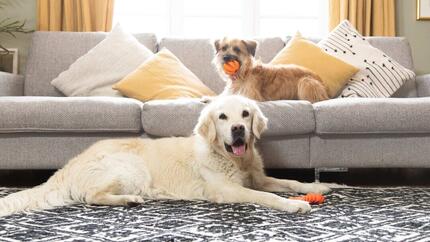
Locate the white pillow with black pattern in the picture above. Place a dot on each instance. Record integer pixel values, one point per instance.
(379, 75)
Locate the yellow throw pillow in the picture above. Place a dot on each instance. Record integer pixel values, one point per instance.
(334, 72)
(163, 76)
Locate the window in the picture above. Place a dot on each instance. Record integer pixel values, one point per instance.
(215, 18)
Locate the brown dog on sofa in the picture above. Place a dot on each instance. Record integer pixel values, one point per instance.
(265, 82)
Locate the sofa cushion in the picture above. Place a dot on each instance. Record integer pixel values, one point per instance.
(178, 117)
(373, 116)
(197, 55)
(71, 114)
(53, 52)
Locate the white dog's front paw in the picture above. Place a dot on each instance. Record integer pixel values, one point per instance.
(294, 206)
(314, 188)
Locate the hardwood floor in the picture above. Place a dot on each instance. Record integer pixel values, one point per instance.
(354, 177)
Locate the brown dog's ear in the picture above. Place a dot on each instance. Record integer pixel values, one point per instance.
(259, 122)
(217, 45)
(251, 46)
(205, 126)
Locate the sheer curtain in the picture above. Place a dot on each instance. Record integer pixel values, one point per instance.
(213, 18)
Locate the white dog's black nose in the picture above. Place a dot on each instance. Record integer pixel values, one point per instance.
(238, 130)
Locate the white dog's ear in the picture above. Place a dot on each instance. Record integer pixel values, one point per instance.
(217, 45)
(206, 127)
(259, 122)
(251, 46)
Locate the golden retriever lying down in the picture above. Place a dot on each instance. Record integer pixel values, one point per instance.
(219, 163)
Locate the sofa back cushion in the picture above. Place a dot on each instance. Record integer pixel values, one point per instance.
(197, 55)
(53, 52)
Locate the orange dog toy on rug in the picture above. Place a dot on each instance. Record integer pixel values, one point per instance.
(311, 198)
(231, 67)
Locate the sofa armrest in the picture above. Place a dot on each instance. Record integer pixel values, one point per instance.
(11, 84)
(423, 85)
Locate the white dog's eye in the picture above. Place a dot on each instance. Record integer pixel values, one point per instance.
(245, 114)
(223, 116)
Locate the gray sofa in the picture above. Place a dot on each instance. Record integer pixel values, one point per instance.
(41, 129)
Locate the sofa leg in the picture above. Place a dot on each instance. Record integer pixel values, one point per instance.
(319, 170)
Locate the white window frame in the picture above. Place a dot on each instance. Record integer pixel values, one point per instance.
(250, 17)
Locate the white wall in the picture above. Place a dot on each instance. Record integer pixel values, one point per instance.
(417, 32)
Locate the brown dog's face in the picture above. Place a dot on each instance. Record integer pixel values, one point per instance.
(228, 49)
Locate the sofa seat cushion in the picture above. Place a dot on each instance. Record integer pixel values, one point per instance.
(373, 116)
(178, 117)
(69, 114)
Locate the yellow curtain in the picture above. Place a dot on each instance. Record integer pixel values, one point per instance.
(370, 17)
(74, 15)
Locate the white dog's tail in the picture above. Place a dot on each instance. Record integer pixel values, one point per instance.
(42, 197)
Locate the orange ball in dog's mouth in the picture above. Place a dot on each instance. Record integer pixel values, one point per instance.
(231, 67)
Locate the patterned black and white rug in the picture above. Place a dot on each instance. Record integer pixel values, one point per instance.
(349, 214)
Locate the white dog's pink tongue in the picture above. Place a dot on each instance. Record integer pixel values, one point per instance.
(238, 150)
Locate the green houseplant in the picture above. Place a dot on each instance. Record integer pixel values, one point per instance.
(10, 26)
